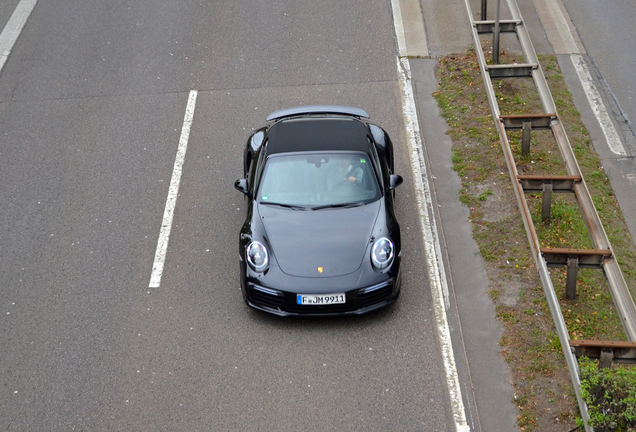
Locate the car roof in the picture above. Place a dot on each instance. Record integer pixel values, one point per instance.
(316, 134)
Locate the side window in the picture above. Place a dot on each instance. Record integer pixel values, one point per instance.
(248, 164)
(376, 161)
(253, 146)
(257, 168)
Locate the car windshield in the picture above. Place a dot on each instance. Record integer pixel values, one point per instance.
(318, 180)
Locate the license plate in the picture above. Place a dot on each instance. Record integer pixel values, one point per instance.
(320, 299)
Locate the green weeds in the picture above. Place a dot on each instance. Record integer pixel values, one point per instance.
(610, 395)
(529, 344)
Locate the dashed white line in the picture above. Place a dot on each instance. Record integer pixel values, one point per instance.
(597, 105)
(557, 25)
(173, 192)
(14, 27)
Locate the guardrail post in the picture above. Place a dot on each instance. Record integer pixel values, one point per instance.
(484, 10)
(495, 43)
(525, 137)
(607, 356)
(570, 285)
(547, 201)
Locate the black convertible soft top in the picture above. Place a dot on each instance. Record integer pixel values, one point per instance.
(315, 134)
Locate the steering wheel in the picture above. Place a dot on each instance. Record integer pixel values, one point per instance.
(339, 184)
(345, 185)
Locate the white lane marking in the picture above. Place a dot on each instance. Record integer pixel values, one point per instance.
(409, 28)
(597, 105)
(399, 27)
(558, 21)
(559, 24)
(435, 264)
(14, 27)
(434, 261)
(173, 192)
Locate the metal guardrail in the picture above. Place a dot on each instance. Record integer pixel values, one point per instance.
(602, 256)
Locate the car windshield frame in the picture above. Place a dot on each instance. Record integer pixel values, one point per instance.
(318, 180)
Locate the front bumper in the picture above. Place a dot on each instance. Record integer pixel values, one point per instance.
(358, 300)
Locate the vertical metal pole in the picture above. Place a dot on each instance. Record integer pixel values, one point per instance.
(607, 356)
(547, 202)
(495, 43)
(484, 10)
(525, 138)
(570, 283)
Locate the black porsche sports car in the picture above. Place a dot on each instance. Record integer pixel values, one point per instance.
(320, 236)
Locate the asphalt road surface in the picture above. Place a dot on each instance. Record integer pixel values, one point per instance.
(92, 101)
(608, 32)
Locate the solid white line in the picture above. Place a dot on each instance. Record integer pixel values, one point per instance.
(597, 105)
(399, 27)
(560, 24)
(409, 28)
(14, 27)
(173, 192)
(434, 261)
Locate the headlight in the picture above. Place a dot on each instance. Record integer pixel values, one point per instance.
(257, 256)
(382, 253)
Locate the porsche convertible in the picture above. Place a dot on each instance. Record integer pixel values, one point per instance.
(320, 235)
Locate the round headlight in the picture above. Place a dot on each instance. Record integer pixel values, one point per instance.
(382, 253)
(257, 256)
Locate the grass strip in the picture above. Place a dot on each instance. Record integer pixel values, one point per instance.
(543, 391)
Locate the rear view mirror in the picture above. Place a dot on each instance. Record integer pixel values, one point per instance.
(394, 181)
(241, 185)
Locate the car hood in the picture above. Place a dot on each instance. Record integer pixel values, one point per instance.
(334, 240)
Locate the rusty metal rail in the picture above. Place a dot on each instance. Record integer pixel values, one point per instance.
(602, 255)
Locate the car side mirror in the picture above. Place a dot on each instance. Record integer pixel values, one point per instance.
(241, 185)
(394, 181)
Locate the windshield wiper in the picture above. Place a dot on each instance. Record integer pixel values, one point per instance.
(293, 207)
(341, 205)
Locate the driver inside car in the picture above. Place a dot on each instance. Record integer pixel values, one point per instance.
(346, 170)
